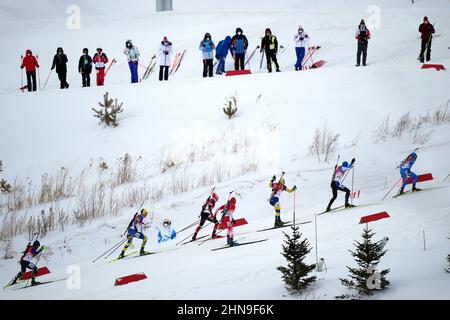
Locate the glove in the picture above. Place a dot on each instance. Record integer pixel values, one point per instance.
(274, 178)
(52, 68)
(21, 67)
(295, 188)
(233, 221)
(41, 248)
(301, 38)
(353, 160)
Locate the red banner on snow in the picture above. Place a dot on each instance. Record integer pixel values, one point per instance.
(422, 178)
(237, 72)
(239, 222)
(41, 271)
(374, 217)
(131, 278)
(438, 67)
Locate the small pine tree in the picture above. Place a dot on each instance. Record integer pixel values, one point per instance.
(230, 107)
(367, 255)
(5, 187)
(295, 275)
(109, 111)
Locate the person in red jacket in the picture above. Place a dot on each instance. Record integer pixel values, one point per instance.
(427, 30)
(227, 219)
(363, 36)
(30, 64)
(100, 60)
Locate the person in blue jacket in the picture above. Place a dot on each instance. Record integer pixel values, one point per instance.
(136, 231)
(167, 232)
(406, 173)
(222, 52)
(239, 43)
(207, 47)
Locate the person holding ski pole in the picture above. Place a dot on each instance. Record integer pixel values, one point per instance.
(207, 47)
(363, 36)
(269, 44)
(406, 173)
(27, 262)
(336, 183)
(221, 53)
(227, 219)
(274, 200)
(239, 43)
(132, 53)
(206, 213)
(100, 60)
(85, 68)
(60, 63)
(135, 231)
(427, 30)
(30, 64)
(165, 53)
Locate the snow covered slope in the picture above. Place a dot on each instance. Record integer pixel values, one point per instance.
(274, 127)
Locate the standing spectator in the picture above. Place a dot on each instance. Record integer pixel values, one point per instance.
(427, 31)
(164, 54)
(363, 36)
(239, 43)
(132, 53)
(85, 68)
(100, 61)
(301, 40)
(60, 63)
(269, 44)
(221, 53)
(207, 47)
(30, 64)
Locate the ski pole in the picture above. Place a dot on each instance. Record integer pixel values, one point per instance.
(38, 74)
(117, 244)
(21, 72)
(49, 74)
(391, 189)
(446, 177)
(406, 158)
(191, 225)
(134, 217)
(202, 242)
(353, 181)
(117, 247)
(39, 257)
(192, 234)
(335, 167)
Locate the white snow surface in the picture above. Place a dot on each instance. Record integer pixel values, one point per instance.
(277, 116)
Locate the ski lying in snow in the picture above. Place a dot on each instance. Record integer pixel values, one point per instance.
(287, 224)
(239, 244)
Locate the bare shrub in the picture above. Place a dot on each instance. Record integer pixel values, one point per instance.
(90, 204)
(5, 187)
(55, 187)
(108, 111)
(125, 172)
(8, 253)
(324, 143)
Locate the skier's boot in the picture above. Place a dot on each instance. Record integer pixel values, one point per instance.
(34, 282)
(414, 189)
(278, 70)
(214, 235)
(143, 252)
(401, 192)
(328, 209)
(121, 255)
(348, 205)
(194, 237)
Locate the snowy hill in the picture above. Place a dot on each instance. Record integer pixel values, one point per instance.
(182, 145)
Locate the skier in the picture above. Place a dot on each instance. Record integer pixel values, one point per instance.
(164, 54)
(132, 53)
(135, 231)
(301, 40)
(30, 64)
(227, 218)
(277, 189)
(206, 213)
(427, 31)
(239, 43)
(221, 53)
(85, 68)
(269, 44)
(167, 232)
(336, 184)
(100, 60)
(362, 35)
(60, 62)
(26, 262)
(207, 47)
(406, 173)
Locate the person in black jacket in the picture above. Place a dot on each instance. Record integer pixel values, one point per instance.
(85, 68)
(60, 62)
(239, 43)
(270, 45)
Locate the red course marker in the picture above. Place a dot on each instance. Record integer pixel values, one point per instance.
(131, 278)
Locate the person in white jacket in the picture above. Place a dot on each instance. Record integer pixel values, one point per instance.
(164, 58)
(301, 40)
(132, 53)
